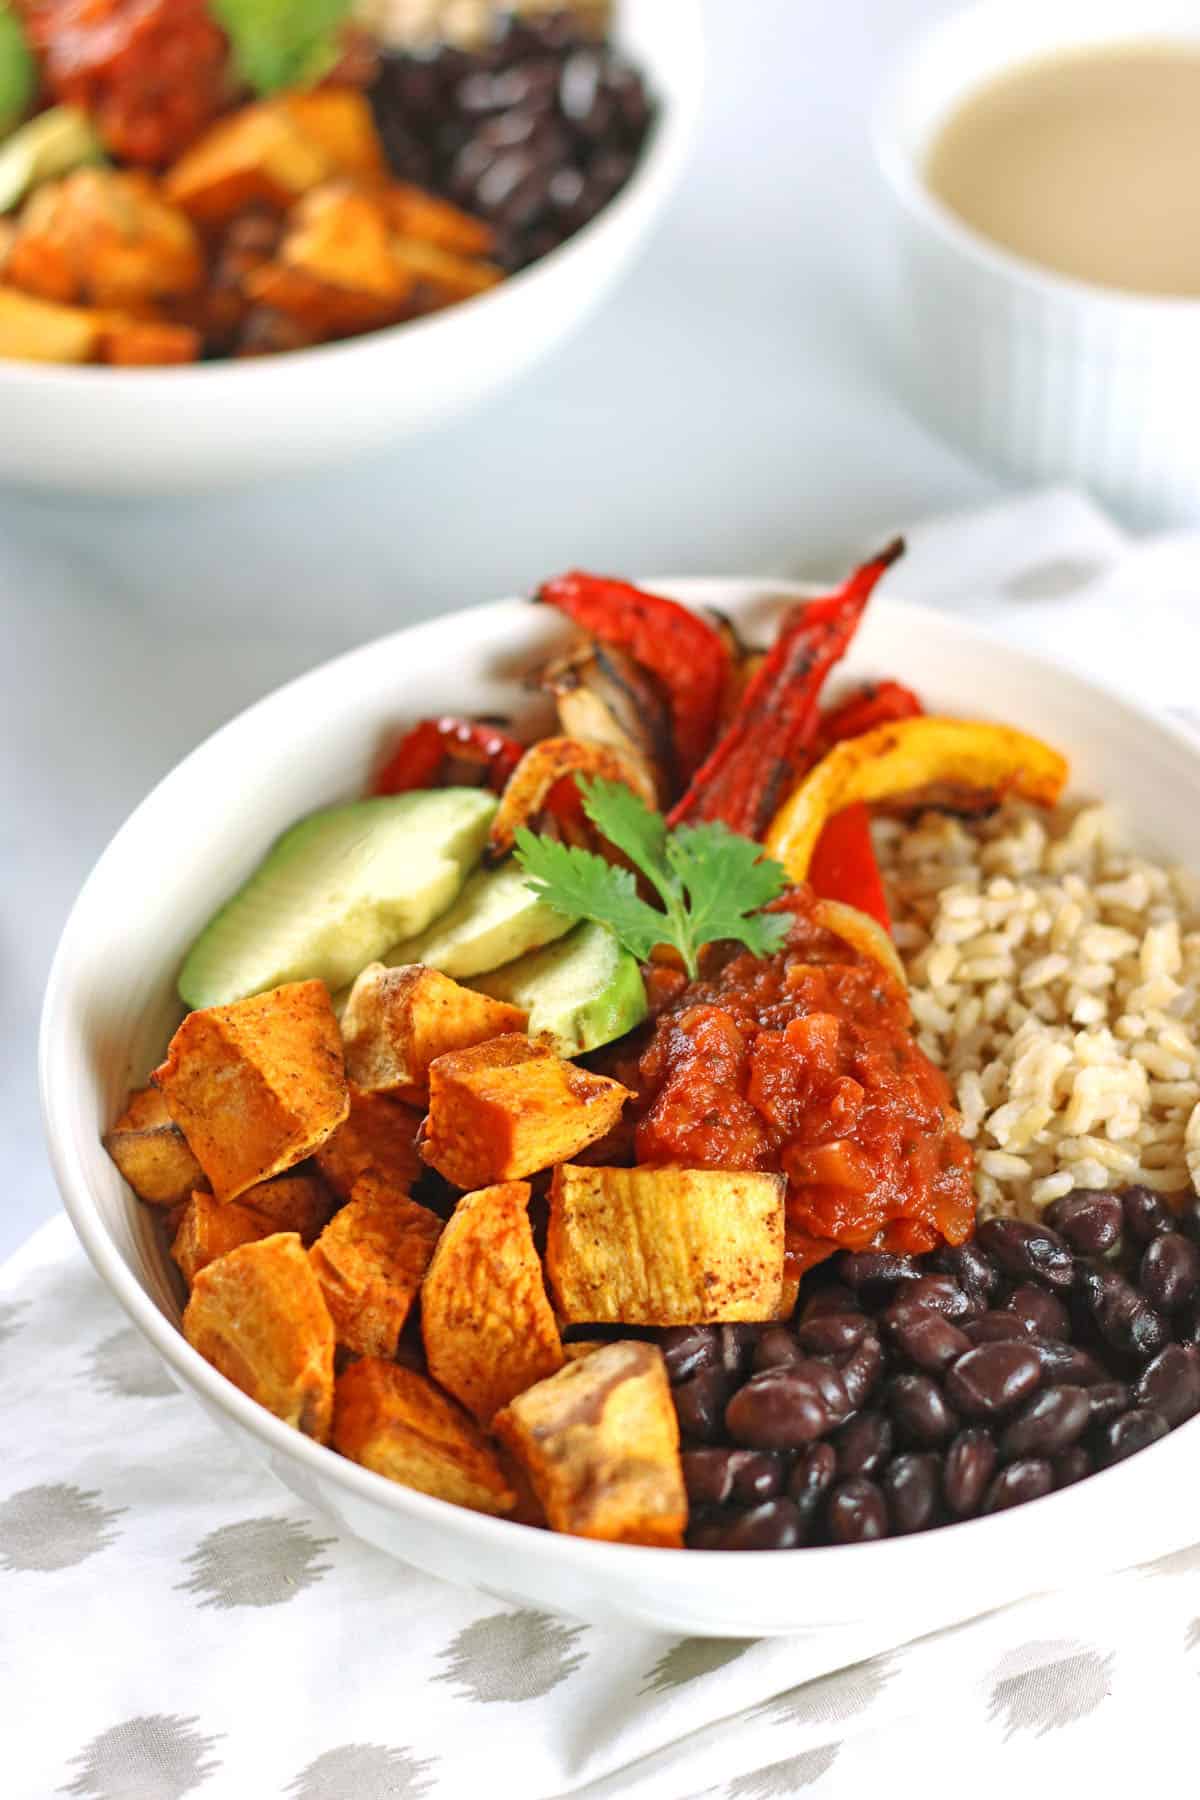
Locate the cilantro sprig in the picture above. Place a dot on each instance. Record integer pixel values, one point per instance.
(282, 43)
(711, 882)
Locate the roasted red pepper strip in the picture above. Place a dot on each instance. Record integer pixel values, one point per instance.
(764, 750)
(419, 760)
(686, 655)
(875, 703)
(843, 865)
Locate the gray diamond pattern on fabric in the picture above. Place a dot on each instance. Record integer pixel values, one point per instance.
(257, 1562)
(364, 1772)
(691, 1658)
(54, 1526)
(791, 1776)
(1043, 1686)
(831, 1698)
(511, 1656)
(159, 1756)
(123, 1365)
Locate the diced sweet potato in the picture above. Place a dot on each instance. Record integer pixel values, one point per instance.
(415, 214)
(258, 1316)
(394, 1421)
(370, 1260)
(665, 1246)
(379, 1135)
(340, 235)
(504, 1109)
(107, 237)
(151, 1151)
(320, 309)
(259, 154)
(257, 1086)
(600, 1444)
(209, 1228)
(579, 1347)
(398, 1021)
(488, 1329)
(443, 276)
(147, 343)
(340, 122)
(33, 330)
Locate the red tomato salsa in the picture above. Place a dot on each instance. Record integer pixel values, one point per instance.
(804, 1062)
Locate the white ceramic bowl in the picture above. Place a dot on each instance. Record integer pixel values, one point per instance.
(1048, 378)
(113, 431)
(110, 1008)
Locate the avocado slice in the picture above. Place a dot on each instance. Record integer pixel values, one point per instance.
(495, 919)
(336, 891)
(57, 141)
(581, 992)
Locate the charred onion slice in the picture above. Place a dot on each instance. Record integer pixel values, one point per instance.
(540, 770)
(604, 697)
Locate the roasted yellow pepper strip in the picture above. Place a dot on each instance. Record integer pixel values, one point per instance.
(903, 757)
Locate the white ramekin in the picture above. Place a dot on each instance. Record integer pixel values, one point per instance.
(1048, 378)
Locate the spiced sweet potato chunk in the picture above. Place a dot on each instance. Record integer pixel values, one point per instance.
(398, 1021)
(665, 1246)
(507, 1108)
(488, 1327)
(257, 1315)
(369, 1260)
(600, 1444)
(151, 1151)
(394, 1421)
(378, 1136)
(209, 1228)
(257, 1086)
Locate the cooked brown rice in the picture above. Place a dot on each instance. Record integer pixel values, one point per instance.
(1056, 977)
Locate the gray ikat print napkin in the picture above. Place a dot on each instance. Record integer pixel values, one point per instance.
(172, 1623)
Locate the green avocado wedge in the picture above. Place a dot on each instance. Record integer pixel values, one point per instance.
(495, 919)
(581, 992)
(336, 891)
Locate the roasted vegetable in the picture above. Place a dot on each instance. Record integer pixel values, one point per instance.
(862, 932)
(392, 1420)
(104, 237)
(540, 770)
(378, 1136)
(844, 868)
(600, 1444)
(257, 154)
(903, 758)
(209, 1228)
(604, 697)
(257, 1086)
(151, 1151)
(398, 1021)
(488, 1328)
(33, 330)
(664, 1246)
(370, 1261)
(433, 754)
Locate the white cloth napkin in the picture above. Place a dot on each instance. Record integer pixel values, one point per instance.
(173, 1622)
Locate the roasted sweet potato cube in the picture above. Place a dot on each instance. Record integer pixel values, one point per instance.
(488, 1329)
(257, 154)
(209, 1228)
(398, 1021)
(319, 308)
(443, 276)
(107, 237)
(504, 1109)
(151, 1151)
(257, 1086)
(370, 1260)
(147, 343)
(340, 235)
(600, 1444)
(35, 330)
(340, 122)
(379, 1135)
(415, 214)
(258, 1316)
(665, 1246)
(395, 1421)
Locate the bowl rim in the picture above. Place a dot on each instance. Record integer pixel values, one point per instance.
(582, 1555)
(658, 167)
(903, 174)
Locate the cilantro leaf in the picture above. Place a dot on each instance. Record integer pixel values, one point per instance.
(282, 43)
(711, 881)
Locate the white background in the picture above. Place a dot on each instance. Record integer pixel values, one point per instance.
(731, 409)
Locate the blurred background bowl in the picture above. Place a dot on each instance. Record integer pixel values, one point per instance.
(122, 431)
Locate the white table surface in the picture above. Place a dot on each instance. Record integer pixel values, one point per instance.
(731, 409)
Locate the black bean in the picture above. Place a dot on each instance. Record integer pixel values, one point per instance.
(700, 1403)
(863, 1444)
(971, 1267)
(1043, 1312)
(1067, 1362)
(856, 1512)
(715, 1476)
(687, 1348)
(811, 1477)
(1171, 1383)
(910, 1488)
(876, 1272)
(1107, 1399)
(1122, 1316)
(860, 1369)
(919, 1411)
(1187, 1325)
(996, 1328)
(830, 1333)
(1029, 1252)
(970, 1463)
(1027, 1479)
(737, 1346)
(826, 1378)
(775, 1525)
(1089, 1219)
(705, 1532)
(1118, 1438)
(1170, 1272)
(1048, 1423)
(993, 1378)
(779, 1409)
(1071, 1466)
(835, 1298)
(945, 1296)
(924, 1336)
(1145, 1214)
(776, 1348)
(1187, 1218)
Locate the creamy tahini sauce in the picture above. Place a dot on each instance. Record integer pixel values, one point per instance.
(1087, 162)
